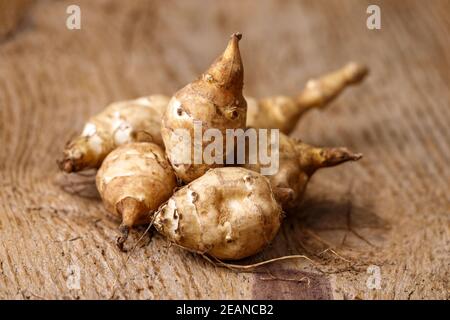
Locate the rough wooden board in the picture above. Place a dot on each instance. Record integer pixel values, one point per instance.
(396, 200)
(11, 14)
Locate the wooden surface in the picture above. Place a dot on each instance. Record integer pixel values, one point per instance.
(391, 209)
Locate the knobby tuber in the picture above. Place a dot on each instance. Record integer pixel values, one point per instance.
(215, 100)
(120, 123)
(298, 161)
(283, 112)
(139, 119)
(133, 181)
(229, 213)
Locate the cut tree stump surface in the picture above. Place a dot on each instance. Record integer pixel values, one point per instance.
(388, 212)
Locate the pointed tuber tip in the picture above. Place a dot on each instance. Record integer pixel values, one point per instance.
(314, 158)
(357, 156)
(232, 50)
(228, 70)
(131, 210)
(65, 165)
(335, 156)
(355, 71)
(237, 35)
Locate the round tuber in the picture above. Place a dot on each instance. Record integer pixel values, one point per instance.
(229, 213)
(133, 181)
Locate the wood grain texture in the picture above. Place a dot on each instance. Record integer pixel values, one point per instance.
(392, 209)
(11, 14)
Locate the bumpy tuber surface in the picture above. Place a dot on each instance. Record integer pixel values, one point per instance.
(133, 181)
(119, 123)
(139, 119)
(229, 213)
(215, 100)
(283, 112)
(298, 161)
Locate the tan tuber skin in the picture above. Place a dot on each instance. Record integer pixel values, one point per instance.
(121, 122)
(229, 213)
(144, 116)
(215, 99)
(133, 181)
(283, 112)
(298, 161)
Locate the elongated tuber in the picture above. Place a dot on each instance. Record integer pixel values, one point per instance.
(119, 123)
(133, 181)
(215, 101)
(283, 112)
(229, 213)
(298, 161)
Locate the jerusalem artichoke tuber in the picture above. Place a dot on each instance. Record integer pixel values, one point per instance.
(283, 112)
(214, 100)
(139, 119)
(298, 161)
(119, 123)
(229, 213)
(133, 181)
